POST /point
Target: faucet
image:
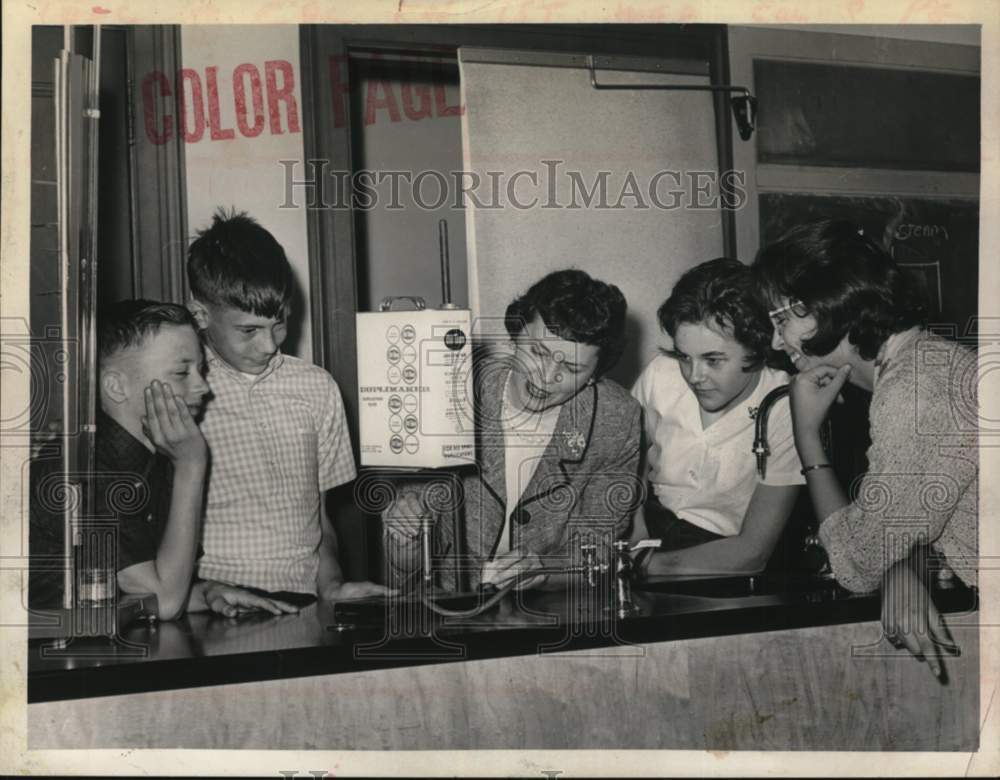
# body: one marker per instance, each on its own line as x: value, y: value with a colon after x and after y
x: 589, y: 566
x: 760, y: 415
x: 625, y: 568
x: 623, y: 574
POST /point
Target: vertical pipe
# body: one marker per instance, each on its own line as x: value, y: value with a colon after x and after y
x: 458, y: 546
x: 425, y: 552
x: 445, y: 263
x: 88, y: 273
x: 62, y: 199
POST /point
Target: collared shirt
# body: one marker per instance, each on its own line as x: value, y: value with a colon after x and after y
x: 707, y: 476
x: 135, y: 485
x: 132, y: 492
x: 277, y: 440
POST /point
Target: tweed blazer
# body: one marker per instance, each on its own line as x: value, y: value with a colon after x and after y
x: 586, y: 484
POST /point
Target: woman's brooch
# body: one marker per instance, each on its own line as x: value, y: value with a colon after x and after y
x: 576, y: 442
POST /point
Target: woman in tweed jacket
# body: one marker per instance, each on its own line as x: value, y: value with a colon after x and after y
x: 845, y: 312
x: 557, y: 444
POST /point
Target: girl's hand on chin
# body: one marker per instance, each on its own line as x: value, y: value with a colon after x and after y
x: 813, y: 392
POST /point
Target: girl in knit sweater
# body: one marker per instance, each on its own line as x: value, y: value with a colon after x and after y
x: 843, y: 311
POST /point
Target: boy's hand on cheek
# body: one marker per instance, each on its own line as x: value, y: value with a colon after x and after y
x: 170, y: 427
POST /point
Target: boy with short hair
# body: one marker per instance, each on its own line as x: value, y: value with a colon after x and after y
x: 713, y: 512
x: 276, y: 424
x: 151, y: 459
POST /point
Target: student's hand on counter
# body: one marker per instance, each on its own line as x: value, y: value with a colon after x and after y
x: 404, y: 518
x: 502, y: 569
x: 910, y: 619
x: 812, y: 393
x: 345, y: 591
x: 231, y: 601
x: 170, y: 427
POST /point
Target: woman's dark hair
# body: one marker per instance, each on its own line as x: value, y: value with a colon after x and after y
x: 575, y: 307
x: 722, y: 291
x: 847, y: 281
x: 236, y: 262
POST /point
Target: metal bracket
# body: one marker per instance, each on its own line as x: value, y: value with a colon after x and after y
x: 744, y: 104
x: 389, y: 300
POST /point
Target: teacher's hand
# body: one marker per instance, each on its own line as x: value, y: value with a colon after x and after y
x: 812, y: 393
x: 346, y: 591
x: 404, y: 518
x: 506, y: 567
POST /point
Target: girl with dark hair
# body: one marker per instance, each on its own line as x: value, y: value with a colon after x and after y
x: 843, y: 311
x: 712, y: 511
x: 558, y: 442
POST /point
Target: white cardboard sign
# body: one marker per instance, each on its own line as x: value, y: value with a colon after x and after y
x: 415, y: 388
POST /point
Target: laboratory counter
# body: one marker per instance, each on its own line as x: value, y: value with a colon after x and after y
x: 728, y: 662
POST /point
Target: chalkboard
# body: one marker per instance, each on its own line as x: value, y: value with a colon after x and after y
x: 936, y: 240
x: 866, y: 117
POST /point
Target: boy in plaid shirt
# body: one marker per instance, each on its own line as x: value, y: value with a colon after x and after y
x: 275, y: 425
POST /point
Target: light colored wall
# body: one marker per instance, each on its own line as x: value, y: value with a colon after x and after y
x: 402, y: 255
x: 519, y: 115
x: 243, y: 172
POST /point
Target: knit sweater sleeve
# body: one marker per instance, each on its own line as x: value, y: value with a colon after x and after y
x: 920, y: 468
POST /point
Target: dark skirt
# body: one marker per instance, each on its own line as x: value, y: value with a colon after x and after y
x: 675, y: 532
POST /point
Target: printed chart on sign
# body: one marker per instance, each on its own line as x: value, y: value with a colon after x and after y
x: 414, y: 388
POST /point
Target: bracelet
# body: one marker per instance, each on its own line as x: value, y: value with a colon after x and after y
x: 815, y: 466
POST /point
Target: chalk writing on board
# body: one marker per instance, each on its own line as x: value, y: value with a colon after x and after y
x: 935, y: 239
x: 906, y: 231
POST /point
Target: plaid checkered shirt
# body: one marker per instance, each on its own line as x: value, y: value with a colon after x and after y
x: 278, y: 440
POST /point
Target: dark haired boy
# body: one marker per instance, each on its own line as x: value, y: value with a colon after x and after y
x: 150, y: 461
x: 276, y: 424
x: 713, y: 512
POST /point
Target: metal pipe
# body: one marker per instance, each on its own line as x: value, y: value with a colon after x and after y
x: 743, y: 104
x: 760, y: 448
x: 624, y: 570
x: 445, y: 263
x: 681, y: 87
x: 457, y: 511
x: 425, y: 550
x: 88, y: 276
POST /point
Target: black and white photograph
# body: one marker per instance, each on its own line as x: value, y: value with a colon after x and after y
x: 499, y: 389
